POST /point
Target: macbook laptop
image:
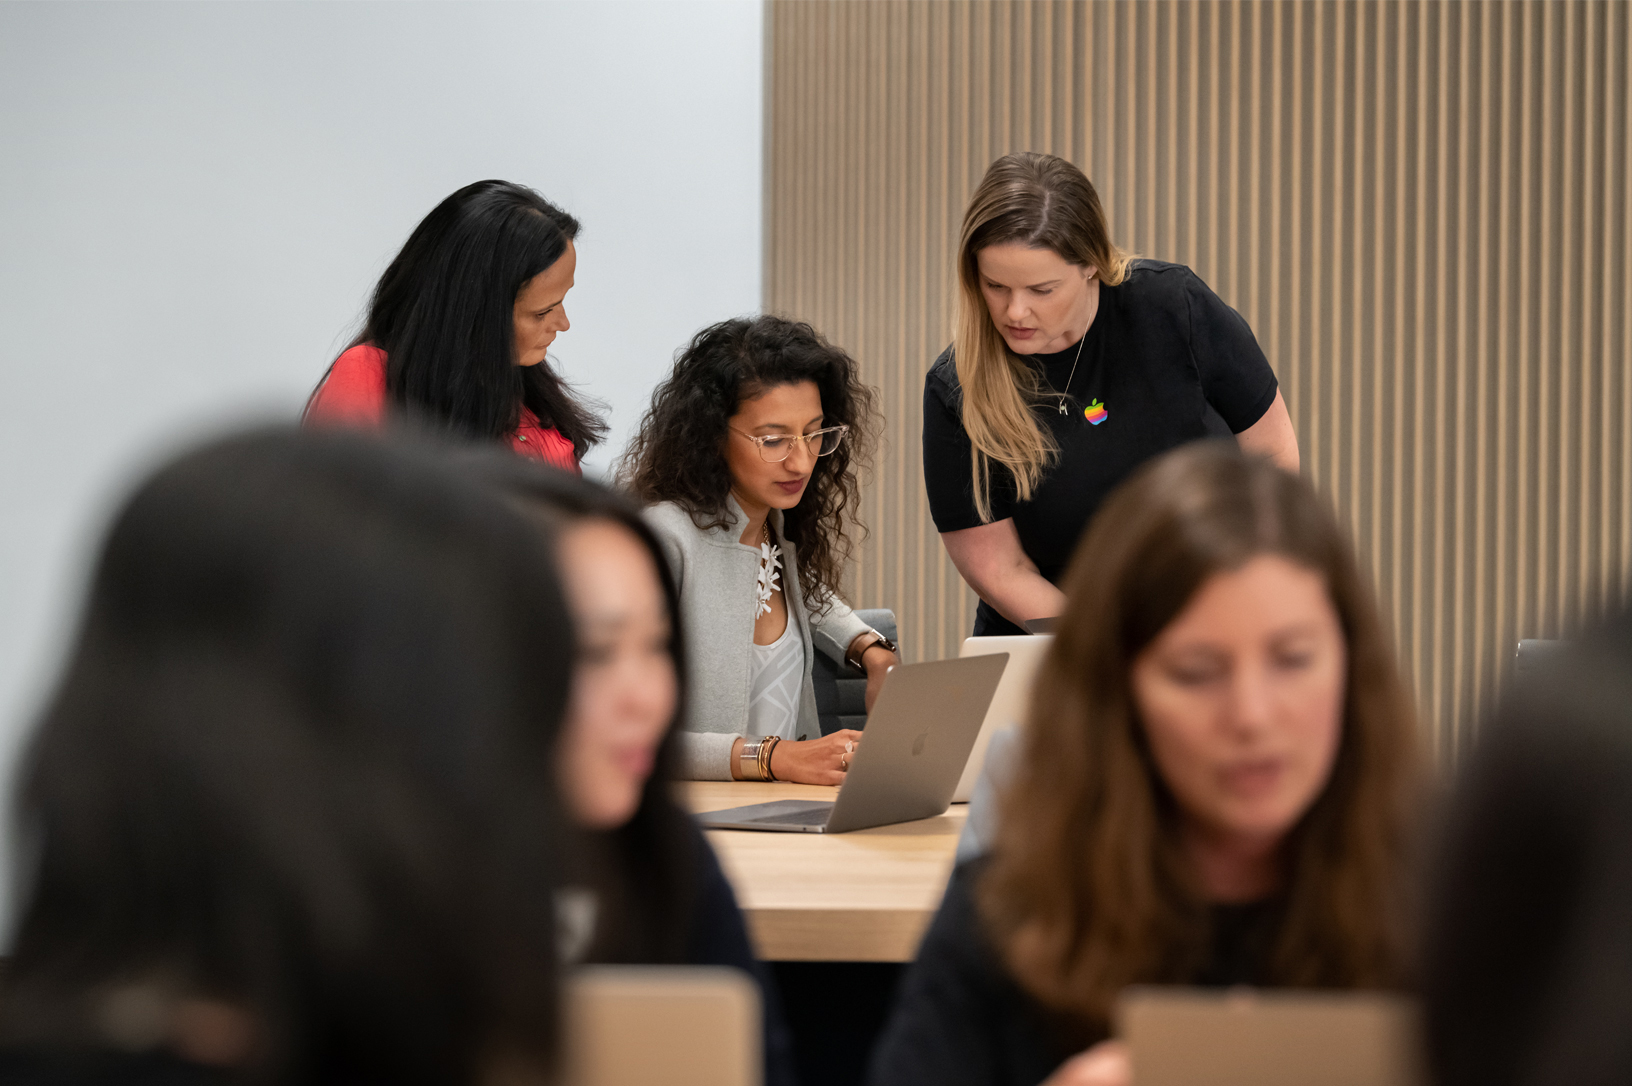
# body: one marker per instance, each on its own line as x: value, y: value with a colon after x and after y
x: 1009, y: 704
x: 1248, y: 1037
x: 640, y: 1025
x: 917, y: 742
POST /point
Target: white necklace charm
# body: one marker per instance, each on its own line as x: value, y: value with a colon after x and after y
x: 770, y: 563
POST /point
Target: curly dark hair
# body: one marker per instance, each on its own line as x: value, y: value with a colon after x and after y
x: 677, y: 454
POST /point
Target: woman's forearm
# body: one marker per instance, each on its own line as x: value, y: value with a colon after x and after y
x: 706, y: 756
x: 994, y: 564
x: 1020, y: 595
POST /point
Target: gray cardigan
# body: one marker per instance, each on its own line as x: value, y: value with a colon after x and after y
x: 717, y: 575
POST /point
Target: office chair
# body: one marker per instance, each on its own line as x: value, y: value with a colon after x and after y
x: 841, y: 691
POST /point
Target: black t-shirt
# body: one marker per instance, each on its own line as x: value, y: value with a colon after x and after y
x: 1164, y: 362
x: 48, y: 1067
x: 960, y: 1019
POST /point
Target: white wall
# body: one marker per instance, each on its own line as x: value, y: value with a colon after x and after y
x: 196, y: 198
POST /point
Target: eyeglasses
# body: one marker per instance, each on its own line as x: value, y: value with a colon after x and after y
x: 775, y: 448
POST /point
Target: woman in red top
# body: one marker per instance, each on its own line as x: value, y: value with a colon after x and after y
x: 459, y: 325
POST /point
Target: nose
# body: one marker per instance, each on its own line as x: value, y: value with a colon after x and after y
x: 803, y: 457
x: 1017, y: 310
x: 1249, y: 699
x: 648, y: 692
x: 561, y: 321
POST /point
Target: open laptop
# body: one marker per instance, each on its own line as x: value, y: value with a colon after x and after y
x: 1249, y: 1037
x: 1009, y: 704
x: 917, y: 742
x: 641, y: 1025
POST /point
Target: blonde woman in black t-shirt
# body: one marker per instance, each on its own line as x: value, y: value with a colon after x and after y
x: 1073, y: 364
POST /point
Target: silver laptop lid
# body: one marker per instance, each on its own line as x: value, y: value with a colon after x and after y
x: 1247, y: 1037
x: 917, y: 741
x: 1012, y: 699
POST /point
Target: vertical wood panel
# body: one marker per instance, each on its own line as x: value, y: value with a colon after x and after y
x: 1422, y: 209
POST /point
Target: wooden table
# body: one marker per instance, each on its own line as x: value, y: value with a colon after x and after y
x: 863, y: 896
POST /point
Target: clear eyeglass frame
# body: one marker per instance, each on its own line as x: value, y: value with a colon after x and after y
x: 775, y: 448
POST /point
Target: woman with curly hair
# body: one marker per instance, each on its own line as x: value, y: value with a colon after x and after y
x: 747, y: 459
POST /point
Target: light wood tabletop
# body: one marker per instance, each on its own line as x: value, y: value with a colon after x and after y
x: 863, y: 896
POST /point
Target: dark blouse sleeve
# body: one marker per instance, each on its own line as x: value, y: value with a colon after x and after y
x: 948, y: 468
x: 958, y: 1020
x: 1235, y: 375
x: 719, y: 937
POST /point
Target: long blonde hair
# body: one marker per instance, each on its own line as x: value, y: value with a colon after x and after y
x: 1088, y: 891
x: 1042, y: 202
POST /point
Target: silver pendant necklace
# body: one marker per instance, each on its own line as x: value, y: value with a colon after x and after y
x: 1074, y: 361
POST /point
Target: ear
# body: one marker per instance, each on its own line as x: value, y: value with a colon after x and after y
x: 1088, y: 273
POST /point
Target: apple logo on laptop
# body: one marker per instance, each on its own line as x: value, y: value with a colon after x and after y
x: 918, y: 743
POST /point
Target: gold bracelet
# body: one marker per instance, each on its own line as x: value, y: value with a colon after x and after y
x: 748, y: 760
x: 766, y: 746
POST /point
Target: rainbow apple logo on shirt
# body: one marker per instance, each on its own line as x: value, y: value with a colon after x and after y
x: 1095, y: 412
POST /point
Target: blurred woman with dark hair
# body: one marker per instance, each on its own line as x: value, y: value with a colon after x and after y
x: 748, y: 459
x: 1527, y: 952
x: 1216, y: 786
x: 652, y: 891
x: 290, y: 817
x: 459, y: 328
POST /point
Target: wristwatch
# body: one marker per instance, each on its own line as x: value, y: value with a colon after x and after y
x: 859, y: 647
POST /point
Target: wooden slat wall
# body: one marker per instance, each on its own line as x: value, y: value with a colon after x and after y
x: 1421, y: 208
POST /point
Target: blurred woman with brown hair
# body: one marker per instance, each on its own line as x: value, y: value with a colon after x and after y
x: 1216, y: 787
x: 1073, y: 364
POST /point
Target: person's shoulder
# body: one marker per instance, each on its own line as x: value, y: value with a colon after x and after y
x: 362, y: 363
x: 942, y: 379
x: 1158, y: 281
x: 671, y: 520
x: 714, y: 888
x: 959, y: 910
x: 1157, y: 294
x: 354, y: 390
x: 361, y: 355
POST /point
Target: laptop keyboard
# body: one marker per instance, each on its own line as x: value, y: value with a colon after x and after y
x: 812, y: 816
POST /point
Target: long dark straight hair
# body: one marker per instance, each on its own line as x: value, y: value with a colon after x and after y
x: 443, y: 313
x: 646, y: 871
x: 301, y: 762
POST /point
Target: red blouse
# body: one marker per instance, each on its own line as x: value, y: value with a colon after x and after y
x: 354, y: 395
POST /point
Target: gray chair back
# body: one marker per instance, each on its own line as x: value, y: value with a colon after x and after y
x: 841, y: 690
